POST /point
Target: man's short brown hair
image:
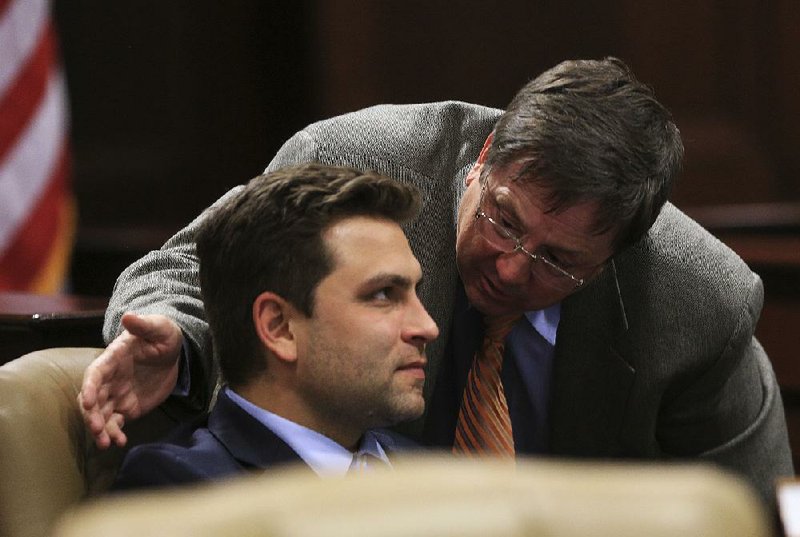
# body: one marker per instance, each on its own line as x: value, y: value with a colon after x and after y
x: 268, y: 237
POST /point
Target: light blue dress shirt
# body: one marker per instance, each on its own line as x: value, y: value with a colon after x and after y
x: 323, y: 455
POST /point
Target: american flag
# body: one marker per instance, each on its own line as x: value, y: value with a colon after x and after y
x: 37, y: 212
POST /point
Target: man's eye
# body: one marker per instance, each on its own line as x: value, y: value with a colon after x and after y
x: 508, y: 225
x: 550, y: 256
x: 502, y: 217
x: 508, y: 228
x: 506, y: 221
x: 382, y: 294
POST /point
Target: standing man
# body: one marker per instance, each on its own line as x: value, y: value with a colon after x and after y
x: 310, y: 289
x: 634, y: 331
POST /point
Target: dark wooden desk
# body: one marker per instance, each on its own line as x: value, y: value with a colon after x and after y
x: 32, y: 322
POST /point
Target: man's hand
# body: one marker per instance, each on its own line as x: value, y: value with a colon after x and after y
x: 135, y: 373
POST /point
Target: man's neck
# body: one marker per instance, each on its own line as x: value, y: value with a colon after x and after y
x: 288, y: 405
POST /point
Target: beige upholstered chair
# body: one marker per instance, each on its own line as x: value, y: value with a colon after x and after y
x: 47, y: 461
x: 442, y: 497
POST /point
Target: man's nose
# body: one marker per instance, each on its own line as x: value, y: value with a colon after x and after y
x: 514, y: 268
x: 421, y: 328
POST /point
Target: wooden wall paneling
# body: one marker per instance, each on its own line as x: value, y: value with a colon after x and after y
x: 778, y: 84
x: 172, y: 104
x: 419, y: 51
x: 701, y: 57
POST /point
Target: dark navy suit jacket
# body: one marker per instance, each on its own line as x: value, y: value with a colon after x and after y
x: 225, y: 442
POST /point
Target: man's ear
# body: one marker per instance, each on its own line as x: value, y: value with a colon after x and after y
x: 475, y: 172
x: 272, y: 316
x: 485, y: 150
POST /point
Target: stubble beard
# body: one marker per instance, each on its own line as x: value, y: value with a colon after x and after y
x: 383, y: 406
x: 362, y: 402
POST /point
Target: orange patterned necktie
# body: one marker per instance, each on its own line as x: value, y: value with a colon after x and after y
x: 484, y: 425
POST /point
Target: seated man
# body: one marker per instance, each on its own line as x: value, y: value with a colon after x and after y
x: 309, y: 285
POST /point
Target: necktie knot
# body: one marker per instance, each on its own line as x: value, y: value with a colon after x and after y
x: 497, y: 328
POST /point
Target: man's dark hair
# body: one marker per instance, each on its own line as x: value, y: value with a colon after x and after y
x: 268, y: 237
x: 588, y: 130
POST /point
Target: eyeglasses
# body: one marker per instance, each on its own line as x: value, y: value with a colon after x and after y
x: 545, y: 270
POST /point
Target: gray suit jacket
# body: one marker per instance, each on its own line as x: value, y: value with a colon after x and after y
x: 655, y: 359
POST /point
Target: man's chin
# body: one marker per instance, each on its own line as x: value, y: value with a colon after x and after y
x: 483, y: 303
x: 408, y: 410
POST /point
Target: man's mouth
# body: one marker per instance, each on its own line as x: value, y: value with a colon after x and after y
x: 415, y: 368
x: 490, y: 288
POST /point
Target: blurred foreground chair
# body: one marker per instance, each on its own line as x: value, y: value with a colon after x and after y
x: 436, y: 496
x: 47, y: 460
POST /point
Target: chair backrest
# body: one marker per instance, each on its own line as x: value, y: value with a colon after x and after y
x: 424, y: 497
x: 48, y: 461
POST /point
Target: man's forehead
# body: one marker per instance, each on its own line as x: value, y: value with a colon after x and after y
x: 371, y: 245
x: 359, y: 229
x: 527, y: 196
x: 523, y: 175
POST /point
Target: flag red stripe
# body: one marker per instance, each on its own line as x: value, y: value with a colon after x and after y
x: 30, y: 248
x: 22, y: 100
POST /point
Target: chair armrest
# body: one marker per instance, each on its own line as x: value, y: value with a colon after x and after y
x: 48, y: 460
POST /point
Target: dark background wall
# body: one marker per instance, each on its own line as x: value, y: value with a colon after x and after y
x: 174, y: 102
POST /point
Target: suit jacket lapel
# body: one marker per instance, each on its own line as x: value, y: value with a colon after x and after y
x: 247, y: 439
x: 469, y: 324
x: 591, y: 380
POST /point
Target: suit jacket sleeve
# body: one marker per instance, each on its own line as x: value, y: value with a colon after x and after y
x: 733, y: 414
x: 156, y: 465
x: 714, y: 394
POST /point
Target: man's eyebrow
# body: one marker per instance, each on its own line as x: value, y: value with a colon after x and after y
x: 389, y: 279
x: 574, y: 255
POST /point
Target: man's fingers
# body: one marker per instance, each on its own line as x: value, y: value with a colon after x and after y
x: 104, y: 411
x: 103, y: 398
x: 107, y: 430
x: 123, y: 403
x: 93, y: 377
x: 97, y: 424
x: 114, y: 430
x: 151, y: 335
x: 151, y: 328
x: 105, y: 425
x: 92, y: 416
x: 87, y: 414
x: 87, y: 397
x: 94, y: 421
x: 100, y: 373
x: 138, y: 325
x: 102, y: 440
